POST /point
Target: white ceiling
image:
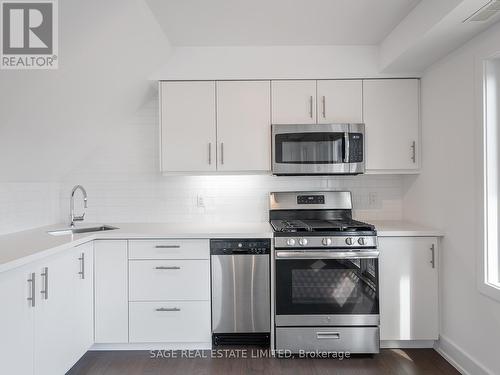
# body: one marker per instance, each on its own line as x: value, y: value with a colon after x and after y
x: 278, y: 22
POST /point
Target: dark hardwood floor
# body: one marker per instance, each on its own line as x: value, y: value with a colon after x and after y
x: 388, y: 362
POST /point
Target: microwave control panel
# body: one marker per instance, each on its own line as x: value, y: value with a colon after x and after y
x: 356, y: 147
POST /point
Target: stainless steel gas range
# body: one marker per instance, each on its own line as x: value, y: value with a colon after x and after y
x: 325, y: 274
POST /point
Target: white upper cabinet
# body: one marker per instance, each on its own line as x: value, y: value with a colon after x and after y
x: 188, y: 132
x: 244, y: 125
x: 408, y: 288
x: 340, y: 101
x: 391, y: 116
x: 293, y: 102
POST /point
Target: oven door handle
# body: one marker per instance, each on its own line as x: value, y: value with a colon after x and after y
x: 280, y: 254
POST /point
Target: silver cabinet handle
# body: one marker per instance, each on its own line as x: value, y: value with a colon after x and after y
x: 324, y: 106
x: 167, y: 246
x: 311, y: 106
x: 433, y: 256
x: 31, y: 282
x: 222, y: 152
x: 45, y: 290
x: 167, y: 268
x: 82, y: 266
x: 209, y: 153
x: 413, y: 152
x: 168, y: 309
x: 328, y: 335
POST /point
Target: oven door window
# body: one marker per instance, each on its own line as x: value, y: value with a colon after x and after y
x: 326, y: 286
x: 310, y: 148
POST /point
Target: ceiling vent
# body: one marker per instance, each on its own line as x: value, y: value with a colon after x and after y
x: 485, y: 12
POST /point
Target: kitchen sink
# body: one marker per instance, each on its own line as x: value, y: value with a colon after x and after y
x: 64, y: 231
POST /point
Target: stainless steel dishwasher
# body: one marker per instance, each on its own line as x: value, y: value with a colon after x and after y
x: 241, y: 304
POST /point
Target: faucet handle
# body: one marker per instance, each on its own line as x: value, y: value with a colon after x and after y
x: 79, y: 218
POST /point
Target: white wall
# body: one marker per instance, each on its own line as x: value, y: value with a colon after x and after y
x: 51, y: 122
x: 273, y: 62
x: 444, y: 196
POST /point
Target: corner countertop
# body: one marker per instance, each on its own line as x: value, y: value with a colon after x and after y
x: 388, y: 228
x: 18, y: 249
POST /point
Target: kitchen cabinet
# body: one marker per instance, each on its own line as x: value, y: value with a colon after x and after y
x: 64, y: 315
x: 169, y: 291
x: 50, y: 332
x: 244, y: 126
x: 293, y: 102
x: 188, y: 132
x: 16, y: 320
x: 340, y: 101
x: 111, y: 294
x: 391, y: 116
x: 408, y: 269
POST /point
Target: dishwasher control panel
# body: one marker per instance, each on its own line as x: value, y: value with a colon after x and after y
x: 232, y: 246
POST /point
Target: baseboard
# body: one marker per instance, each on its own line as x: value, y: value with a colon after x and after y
x: 406, y: 344
x: 459, y: 359
x: 154, y: 346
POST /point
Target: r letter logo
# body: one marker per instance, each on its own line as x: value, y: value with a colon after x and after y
x: 29, y: 34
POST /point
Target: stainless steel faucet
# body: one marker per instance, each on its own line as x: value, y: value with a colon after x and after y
x: 72, y: 216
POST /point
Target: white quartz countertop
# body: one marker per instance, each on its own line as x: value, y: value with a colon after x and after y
x: 24, y: 247
x: 21, y: 248
x: 404, y: 229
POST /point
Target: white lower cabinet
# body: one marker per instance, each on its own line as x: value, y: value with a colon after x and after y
x: 111, y: 294
x: 47, y: 334
x: 159, y: 280
x: 408, y: 270
x: 64, y: 317
x: 16, y: 321
x: 169, y: 297
x: 170, y: 321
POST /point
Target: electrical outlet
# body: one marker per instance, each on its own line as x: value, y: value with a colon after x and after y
x: 372, y: 199
x: 200, y: 201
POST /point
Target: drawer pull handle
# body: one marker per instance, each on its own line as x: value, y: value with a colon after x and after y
x: 168, y: 309
x: 167, y: 246
x: 328, y: 335
x: 168, y: 268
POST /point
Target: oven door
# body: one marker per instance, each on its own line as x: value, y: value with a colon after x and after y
x: 318, y: 287
x: 315, y: 149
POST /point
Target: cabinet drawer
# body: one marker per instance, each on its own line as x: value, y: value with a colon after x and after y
x: 169, y: 249
x: 159, y: 280
x: 173, y: 321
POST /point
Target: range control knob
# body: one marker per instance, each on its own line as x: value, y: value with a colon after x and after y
x: 303, y: 242
x: 361, y: 241
x: 326, y: 241
x: 349, y: 241
x: 290, y: 242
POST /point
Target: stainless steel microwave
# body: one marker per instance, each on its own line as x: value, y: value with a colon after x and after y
x: 318, y: 149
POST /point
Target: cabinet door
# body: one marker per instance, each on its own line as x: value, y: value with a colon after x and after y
x: 293, y: 102
x: 83, y: 311
x: 111, y: 296
x: 244, y: 125
x: 188, y: 126
x: 340, y: 101
x: 408, y: 288
x: 55, y: 317
x: 16, y: 322
x: 391, y: 115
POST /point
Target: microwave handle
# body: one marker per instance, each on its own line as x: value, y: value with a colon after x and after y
x: 346, y: 147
